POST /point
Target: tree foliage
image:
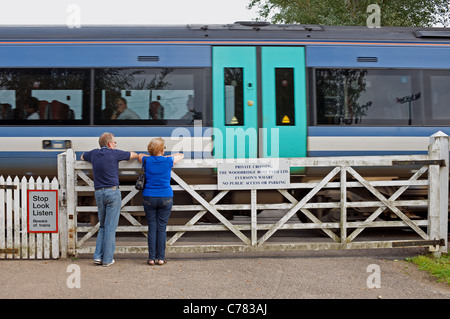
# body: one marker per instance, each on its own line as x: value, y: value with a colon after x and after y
x: 401, y: 13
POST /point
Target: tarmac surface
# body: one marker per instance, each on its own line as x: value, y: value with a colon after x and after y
x: 356, y: 274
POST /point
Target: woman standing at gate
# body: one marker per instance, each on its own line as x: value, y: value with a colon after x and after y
x: 157, y: 197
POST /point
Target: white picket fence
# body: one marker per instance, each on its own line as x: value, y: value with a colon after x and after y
x: 15, y: 241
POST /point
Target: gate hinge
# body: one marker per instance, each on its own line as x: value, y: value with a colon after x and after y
x: 8, y: 186
x: 62, y: 197
x: 433, y: 242
x: 9, y: 251
x: 419, y: 162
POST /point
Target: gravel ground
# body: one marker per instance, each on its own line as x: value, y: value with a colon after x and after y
x: 293, y: 275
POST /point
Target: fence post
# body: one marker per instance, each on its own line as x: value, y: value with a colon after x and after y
x: 438, y: 190
x: 24, y: 217
x: 17, y: 213
x: 343, y: 206
x: 71, y: 205
x: 55, y: 237
x: 254, y: 216
x: 62, y: 218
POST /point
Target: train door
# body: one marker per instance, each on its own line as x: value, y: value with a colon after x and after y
x: 235, y: 116
x: 259, y: 102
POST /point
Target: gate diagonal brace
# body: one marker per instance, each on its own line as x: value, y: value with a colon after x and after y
x: 299, y: 205
x: 197, y: 217
x: 387, y: 202
x: 394, y: 196
x: 309, y: 215
x: 127, y: 216
x: 88, y: 235
x: 210, y: 208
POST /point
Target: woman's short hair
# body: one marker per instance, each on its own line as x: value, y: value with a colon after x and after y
x: 156, y: 146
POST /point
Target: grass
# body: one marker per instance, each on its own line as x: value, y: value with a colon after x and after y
x: 437, y: 267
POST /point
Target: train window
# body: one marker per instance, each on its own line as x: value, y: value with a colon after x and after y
x: 367, y: 96
x: 158, y: 96
x: 284, y: 87
x: 437, y: 83
x: 46, y: 96
x: 234, y: 96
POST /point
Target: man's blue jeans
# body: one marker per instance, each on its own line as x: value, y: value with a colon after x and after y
x: 157, y: 210
x: 108, y: 204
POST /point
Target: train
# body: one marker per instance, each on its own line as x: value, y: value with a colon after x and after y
x: 297, y: 90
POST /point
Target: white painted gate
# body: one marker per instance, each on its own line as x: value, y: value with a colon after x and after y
x: 256, y: 236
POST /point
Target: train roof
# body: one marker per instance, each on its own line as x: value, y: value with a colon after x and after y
x: 237, y: 30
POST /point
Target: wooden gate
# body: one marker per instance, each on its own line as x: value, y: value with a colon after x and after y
x: 252, y: 235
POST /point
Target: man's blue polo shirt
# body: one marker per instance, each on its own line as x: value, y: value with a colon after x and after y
x: 105, y: 163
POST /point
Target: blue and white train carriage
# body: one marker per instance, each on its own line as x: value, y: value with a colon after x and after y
x: 328, y: 90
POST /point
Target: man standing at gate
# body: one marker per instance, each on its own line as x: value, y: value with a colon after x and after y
x: 105, y: 164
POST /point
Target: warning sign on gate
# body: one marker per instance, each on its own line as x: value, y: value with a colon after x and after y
x: 42, y: 211
x: 263, y: 174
